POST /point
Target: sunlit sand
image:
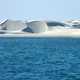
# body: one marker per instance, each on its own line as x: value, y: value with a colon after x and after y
x: 53, y: 33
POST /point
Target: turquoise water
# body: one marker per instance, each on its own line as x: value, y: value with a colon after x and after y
x: 39, y: 58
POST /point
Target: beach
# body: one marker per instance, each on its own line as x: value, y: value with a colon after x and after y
x: 53, y: 33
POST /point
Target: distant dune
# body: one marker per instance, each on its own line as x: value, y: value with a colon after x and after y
x: 11, y: 28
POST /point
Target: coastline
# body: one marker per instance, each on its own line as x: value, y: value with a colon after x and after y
x: 53, y: 33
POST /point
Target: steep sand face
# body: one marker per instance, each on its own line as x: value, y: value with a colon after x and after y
x: 11, y: 25
x: 38, y: 26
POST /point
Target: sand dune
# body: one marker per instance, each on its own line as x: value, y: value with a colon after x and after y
x: 11, y: 28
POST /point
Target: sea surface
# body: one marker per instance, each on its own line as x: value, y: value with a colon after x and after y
x: 40, y: 58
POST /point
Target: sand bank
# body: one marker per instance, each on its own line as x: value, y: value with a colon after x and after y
x: 53, y: 33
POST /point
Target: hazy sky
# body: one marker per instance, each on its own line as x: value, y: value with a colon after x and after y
x: 40, y: 9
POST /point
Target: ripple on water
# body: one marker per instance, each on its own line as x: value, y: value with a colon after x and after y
x: 39, y: 59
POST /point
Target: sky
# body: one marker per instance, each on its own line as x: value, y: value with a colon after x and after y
x: 39, y: 9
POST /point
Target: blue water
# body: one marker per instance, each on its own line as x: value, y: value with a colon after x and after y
x: 39, y: 58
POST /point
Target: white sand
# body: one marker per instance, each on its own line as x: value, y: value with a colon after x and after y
x: 53, y: 33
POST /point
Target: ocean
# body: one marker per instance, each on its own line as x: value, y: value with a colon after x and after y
x: 39, y: 58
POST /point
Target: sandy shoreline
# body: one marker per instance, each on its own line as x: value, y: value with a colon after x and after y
x: 53, y: 33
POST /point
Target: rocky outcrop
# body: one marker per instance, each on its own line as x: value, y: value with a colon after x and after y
x: 55, y: 24
x: 73, y: 23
